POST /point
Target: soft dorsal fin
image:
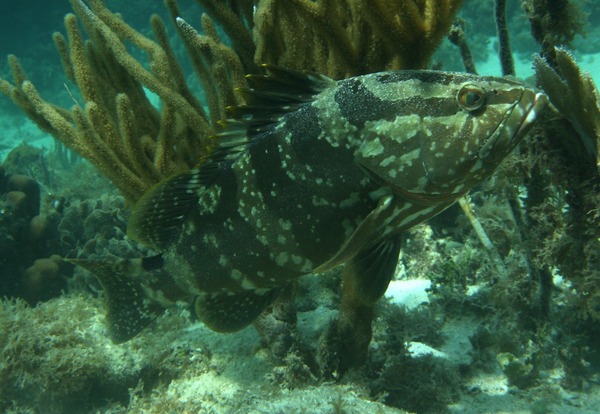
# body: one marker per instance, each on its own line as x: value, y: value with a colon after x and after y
x: 158, y: 216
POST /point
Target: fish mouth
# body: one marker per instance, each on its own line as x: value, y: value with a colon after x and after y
x: 516, y: 123
x: 540, y: 102
x: 427, y: 199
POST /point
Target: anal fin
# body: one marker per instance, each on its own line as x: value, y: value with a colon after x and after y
x: 230, y: 312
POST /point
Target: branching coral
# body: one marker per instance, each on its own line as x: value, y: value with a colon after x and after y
x: 575, y: 167
x: 236, y: 18
x: 135, y: 144
x: 553, y: 22
x: 117, y: 128
x: 575, y: 95
x: 351, y: 37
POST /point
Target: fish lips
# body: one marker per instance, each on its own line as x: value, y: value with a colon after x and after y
x: 517, y: 122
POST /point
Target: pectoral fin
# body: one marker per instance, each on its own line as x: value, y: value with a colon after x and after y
x: 366, y: 231
x: 370, y: 271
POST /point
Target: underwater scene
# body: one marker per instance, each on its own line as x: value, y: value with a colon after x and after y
x: 300, y: 206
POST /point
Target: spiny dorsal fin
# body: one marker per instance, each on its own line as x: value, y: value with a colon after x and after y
x: 273, y: 95
x: 280, y: 86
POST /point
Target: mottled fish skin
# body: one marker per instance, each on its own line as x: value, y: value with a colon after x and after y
x: 356, y: 163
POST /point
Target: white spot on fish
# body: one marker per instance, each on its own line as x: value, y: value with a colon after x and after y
x: 285, y: 224
x: 247, y: 284
x: 371, y: 148
x: 282, y: 258
x: 350, y: 201
x: 389, y: 160
x: 237, y: 275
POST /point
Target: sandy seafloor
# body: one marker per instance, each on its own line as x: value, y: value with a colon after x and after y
x: 233, y: 373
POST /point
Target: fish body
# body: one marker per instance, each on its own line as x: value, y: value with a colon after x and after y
x: 310, y: 174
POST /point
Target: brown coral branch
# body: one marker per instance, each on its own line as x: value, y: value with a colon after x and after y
x: 554, y: 23
x: 111, y: 29
x: 235, y: 18
x: 506, y: 58
x: 117, y: 127
x: 457, y: 37
x: 353, y: 37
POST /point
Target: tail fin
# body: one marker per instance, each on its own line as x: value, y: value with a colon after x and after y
x: 129, y: 309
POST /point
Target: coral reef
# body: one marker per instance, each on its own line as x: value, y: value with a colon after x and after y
x: 554, y: 22
x: 27, y: 235
x: 57, y: 356
x: 39, y: 226
x: 44, y: 279
x: 36, y: 370
x: 27, y: 160
x: 568, y: 160
x: 423, y: 384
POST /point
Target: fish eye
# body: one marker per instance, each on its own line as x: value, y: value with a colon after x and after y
x: 471, y: 97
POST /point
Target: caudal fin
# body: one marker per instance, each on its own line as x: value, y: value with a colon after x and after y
x: 129, y: 310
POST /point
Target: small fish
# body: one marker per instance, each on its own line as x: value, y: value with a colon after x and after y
x: 309, y: 174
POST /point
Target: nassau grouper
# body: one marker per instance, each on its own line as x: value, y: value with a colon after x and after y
x: 309, y: 174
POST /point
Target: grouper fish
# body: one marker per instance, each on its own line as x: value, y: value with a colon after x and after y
x: 309, y: 174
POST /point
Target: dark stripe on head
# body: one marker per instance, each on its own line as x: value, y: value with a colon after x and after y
x: 358, y: 105
x: 428, y: 76
x: 309, y: 150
